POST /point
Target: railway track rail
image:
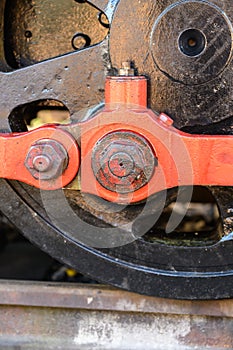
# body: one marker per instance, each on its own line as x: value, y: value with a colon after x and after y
x: 105, y: 318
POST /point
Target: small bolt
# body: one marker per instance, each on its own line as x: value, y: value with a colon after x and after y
x: 46, y: 159
x: 165, y: 119
x: 126, y: 69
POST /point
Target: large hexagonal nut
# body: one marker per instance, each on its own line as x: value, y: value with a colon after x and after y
x: 124, y: 158
x: 123, y: 161
x: 46, y: 160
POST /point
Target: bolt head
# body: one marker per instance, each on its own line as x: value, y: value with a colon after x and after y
x: 165, y: 119
x: 126, y: 69
x: 123, y: 161
x: 46, y: 159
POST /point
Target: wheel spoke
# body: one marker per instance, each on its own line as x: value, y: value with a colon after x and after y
x: 75, y: 79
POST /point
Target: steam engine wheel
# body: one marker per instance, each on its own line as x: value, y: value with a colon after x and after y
x: 55, y: 56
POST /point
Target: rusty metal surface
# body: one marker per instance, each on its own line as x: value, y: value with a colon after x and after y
x: 104, y: 298
x: 123, y: 161
x: 67, y: 316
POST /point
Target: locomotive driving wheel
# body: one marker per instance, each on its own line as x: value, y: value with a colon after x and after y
x: 52, y: 57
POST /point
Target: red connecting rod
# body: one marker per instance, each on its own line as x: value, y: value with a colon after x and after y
x: 47, y: 158
x: 127, y: 151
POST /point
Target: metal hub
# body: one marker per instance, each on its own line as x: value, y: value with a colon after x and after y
x: 186, y: 49
x: 196, y: 46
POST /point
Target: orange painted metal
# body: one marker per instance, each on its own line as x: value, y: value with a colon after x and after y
x: 130, y: 90
x: 183, y: 159
x: 13, y: 152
